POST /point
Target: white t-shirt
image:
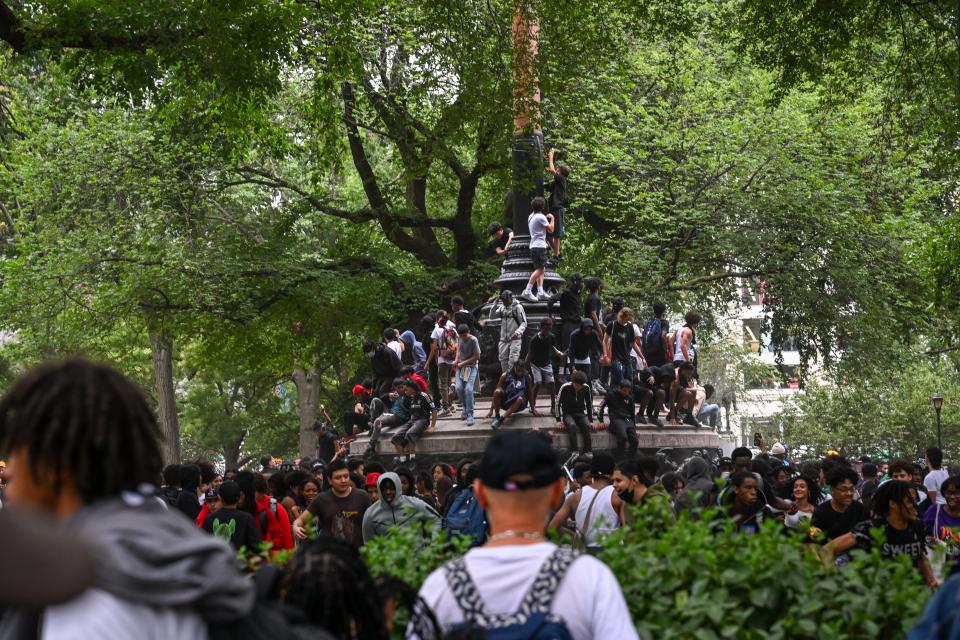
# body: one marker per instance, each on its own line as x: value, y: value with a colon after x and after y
x: 98, y: 615
x: 537, y: 223
x: 437, y: 337
x: 397, y: 347
x: 589, y: 598
x: 932, y: 482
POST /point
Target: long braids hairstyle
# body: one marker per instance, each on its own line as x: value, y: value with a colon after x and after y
x: 85, y: 422
x: 896, y: 491
x: 330, y: 584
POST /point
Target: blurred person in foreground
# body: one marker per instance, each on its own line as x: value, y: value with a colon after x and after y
x: 489, y: 588
x: 84, y: 447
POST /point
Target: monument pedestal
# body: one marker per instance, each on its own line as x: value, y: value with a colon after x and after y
x: 453, y: 440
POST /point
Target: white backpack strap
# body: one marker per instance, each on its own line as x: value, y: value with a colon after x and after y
x: 547, y: 582
x: 465, y: 593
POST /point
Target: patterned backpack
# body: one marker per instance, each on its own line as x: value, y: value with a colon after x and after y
x: 533, y: 621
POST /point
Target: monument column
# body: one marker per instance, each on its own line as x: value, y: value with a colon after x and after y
x: 528, y: 168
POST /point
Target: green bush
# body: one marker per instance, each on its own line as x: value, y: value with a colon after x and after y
x: 700, y: 579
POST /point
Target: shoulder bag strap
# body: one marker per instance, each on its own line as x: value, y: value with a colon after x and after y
x: 465, y: 592
x: 586, y: 521
x: 547, y: 582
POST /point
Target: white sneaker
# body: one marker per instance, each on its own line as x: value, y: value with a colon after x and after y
x: 598, y: 388
x: 544, y: 296
x: 528, y: 296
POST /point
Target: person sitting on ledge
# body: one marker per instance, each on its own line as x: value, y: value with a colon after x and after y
x: 513, y: 393
x: 422, y: 413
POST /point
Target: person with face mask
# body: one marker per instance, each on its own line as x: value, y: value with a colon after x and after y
x: 635, y: 483
x: 395, y: 509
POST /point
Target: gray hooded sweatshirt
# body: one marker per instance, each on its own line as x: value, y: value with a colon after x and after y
x: 513, y: 319
x: 403, y: 511
x: 149, y: 555
x: 699, y: 486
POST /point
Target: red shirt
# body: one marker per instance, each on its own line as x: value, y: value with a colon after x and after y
x: 278, y: 529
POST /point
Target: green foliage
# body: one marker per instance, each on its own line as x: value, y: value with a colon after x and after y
x: 884, y: 411
x: 701, y: 579
x: 410, y: 554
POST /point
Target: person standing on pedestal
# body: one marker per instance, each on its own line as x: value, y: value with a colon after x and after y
x: 569, y: 300
x: 539, y: 225
x: 513, y: 322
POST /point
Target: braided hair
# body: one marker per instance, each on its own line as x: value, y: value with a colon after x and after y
x: 83, y: 421
x: 896, y: 491
x: 330, y: 584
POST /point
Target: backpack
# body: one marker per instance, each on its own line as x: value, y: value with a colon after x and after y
x: 262, y: 517
x: 466, y: 517
x: 464, y: 317
x: 448, y: 343
x: 652, y: 336
x: 533, y: 621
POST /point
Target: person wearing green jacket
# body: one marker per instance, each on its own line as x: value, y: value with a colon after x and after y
x: 395, y: 509
x: 635, y: 483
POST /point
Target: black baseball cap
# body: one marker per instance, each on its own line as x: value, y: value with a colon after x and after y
x: 519, y: 453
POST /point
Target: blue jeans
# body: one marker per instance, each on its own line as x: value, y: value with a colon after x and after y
x: 466, y: 380
x: 709, y: 414
x: 620, y: 370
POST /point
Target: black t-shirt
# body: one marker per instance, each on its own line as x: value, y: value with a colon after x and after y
x: 582, y: 344
x: 621, y: 339
x: 236, y: 526
x: 569, y: 301
x: 341, y: 517
x: 593, y: 305
x: 327, y: 437
x: 911, y: 541
x: 835, y: 524
x: 558, y: 192
x: 541, y: 349
x: 501, y: 242
x: 189, y: 504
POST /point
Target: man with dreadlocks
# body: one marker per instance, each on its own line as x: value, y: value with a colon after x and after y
x: 895, y: 511
x: 84, y: 447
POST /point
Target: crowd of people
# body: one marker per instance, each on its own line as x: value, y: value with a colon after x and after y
x: 153, y: 549
x: 644, y: 376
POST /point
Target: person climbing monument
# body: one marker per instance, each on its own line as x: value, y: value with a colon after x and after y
x: 558, y: 203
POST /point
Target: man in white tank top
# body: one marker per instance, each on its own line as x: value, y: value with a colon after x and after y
x: 594, y: 508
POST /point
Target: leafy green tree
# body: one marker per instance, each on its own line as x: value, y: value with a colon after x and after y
x: 884, y: 411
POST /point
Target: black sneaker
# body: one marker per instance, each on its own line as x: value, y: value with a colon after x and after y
x: 688, y: 419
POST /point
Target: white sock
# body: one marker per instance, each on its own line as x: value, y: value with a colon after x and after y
x: 402, y: 458
x: 411, y: 457
x: 528, y: 289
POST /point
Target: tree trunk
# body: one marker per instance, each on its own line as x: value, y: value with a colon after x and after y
x: 231, y: 453
x: 162, y: 347
x: 308, y: 397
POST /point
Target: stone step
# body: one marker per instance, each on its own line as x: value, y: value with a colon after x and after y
x: 451, y: 438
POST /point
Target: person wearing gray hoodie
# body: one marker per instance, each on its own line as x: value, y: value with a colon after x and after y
x: 513, y: 323
x: 698, y: 489
x: 395, y: 509
x: 85, y: 448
